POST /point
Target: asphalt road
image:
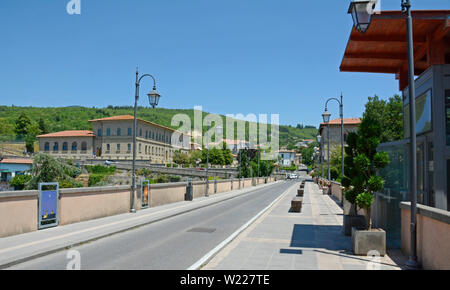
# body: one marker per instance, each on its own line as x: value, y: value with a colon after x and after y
x: 173, y: 244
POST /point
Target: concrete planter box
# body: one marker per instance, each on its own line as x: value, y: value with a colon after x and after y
x: 351, y: 221
x: 296, y: 204
x: 325, y: 190
x: 364, y: 241
x: 300, y: 192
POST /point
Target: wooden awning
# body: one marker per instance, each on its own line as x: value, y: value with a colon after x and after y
x: 383, y: 48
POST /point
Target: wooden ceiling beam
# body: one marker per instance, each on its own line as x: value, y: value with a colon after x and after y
x: 369, y: 69
x: 385, y: 38
x: 377, y: 55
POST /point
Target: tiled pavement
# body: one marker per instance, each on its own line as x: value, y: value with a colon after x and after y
x: 310, y: 240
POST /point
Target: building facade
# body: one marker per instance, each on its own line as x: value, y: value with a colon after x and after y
x: 350, y: 125
x: 112, y: 139
x: 287, y: 157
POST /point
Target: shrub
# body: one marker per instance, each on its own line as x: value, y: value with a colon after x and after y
x: 95, y: 178
x: 19, y: 181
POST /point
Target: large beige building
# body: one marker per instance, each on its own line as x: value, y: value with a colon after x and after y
x: 112, y: 139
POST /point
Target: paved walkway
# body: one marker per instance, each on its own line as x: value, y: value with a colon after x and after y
x: 310, y: 240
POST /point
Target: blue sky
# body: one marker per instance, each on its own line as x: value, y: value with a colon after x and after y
x: 229, y: 56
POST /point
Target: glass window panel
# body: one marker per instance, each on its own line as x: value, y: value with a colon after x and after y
x: 447, y: 115
x: 423, y: 115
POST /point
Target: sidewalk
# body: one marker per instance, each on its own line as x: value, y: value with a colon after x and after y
x: 20, y: 248
x: 310, y: 240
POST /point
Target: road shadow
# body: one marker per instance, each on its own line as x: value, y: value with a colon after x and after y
x: 328, y: 237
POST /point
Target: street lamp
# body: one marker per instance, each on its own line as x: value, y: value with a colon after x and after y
x: 361, y: 11
x: 412, y: 263
x: 153, y: 98
x: 326, y: 118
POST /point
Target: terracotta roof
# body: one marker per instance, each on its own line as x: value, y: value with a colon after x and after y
x: 347, y: 121
x: 383, y: 49
x: 129, y: 117
x: 77, y: 133
x: 114, y: 118
x: 17, y: 161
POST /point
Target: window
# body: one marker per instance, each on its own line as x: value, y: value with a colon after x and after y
x: 146, y: 134
x: 108, y: 147
x: 448, y: 182
x: 108, y: 132
x: 118, y: 147
x: 129, y: 147
x: 74, y: 146
x: 47, y: 146
x: 65, y: 146
x: 99, y: 132
x: 55, y: 146
x: 447, y: 115
x: 83, y: 146
x: 140, y: 148
x: 140, y: 132
x: 423, y: 115
x: 118, y: 131
x: 130, y: 131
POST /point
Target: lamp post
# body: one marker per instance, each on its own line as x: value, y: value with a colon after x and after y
x: 218, y: 131
x: 153, y: 98
x: 341, y: 114
x: 207, y: 161
x: 326, y: 118
x: 319, y: 139
x: 362, y: 17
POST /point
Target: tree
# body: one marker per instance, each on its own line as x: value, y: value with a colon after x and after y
x: 48, y: 169
x: 22, y: 125
x: 42, y: 126
x: 227, y: 155
x: 307, y: 155
x: 362, y: 162
x: 180, y: 158
x: 30, y: 137
x: 389, y: 115
x: 244, y: 164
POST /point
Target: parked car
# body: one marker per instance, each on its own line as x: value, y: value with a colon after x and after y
x: 109, y: 162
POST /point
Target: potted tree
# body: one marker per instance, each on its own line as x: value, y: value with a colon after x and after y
x: 362, y: 182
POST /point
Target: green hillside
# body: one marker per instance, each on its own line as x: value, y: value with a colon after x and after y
x: 76, y: 118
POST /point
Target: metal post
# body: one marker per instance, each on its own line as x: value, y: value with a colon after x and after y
x: 341, y: 107
x: 133, y: 182
x: 328, y: 150
x: 412, y: 262
x: 207, y: 162
x: 258, y: 166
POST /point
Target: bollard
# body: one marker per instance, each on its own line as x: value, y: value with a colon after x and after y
x: 215, y: 185
x: 189, y: 191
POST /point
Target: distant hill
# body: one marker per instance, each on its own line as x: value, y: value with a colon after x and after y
x: 77, y: 117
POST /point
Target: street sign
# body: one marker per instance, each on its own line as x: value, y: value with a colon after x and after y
x: 48, y: 205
